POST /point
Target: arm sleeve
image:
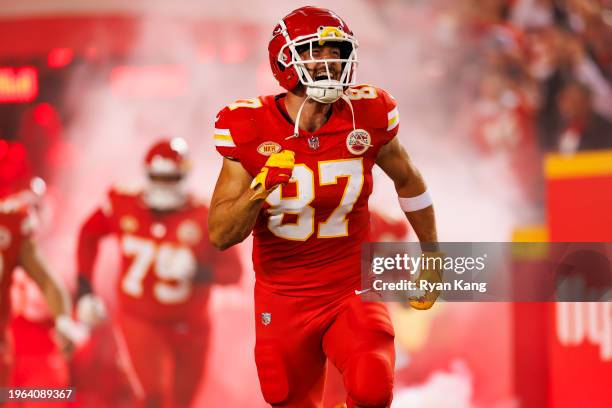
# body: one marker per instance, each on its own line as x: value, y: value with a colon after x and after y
x: 93, y: 230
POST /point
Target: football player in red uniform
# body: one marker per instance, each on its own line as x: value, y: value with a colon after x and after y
x: 18, y: 193
x: 167, y: 268
x: 297, y: 172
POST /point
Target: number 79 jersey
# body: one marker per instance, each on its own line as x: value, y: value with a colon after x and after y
x: 308, y: 236
x: 167, y: 262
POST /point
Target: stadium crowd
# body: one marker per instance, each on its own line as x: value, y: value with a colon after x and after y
x: 517, y: 78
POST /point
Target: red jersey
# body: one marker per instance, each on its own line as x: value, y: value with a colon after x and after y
x: 308, y: 236
x: 167, y: 261
x: 15, y: 226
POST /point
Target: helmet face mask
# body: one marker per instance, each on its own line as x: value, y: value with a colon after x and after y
x: 296, y: 33
x: 167, y: 166
x: 164, y: 195
x: 329, y: 89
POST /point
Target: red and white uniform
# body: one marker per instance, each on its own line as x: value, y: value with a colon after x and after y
x: 307, y: 247
x: 166, y: 257
x: 167, y: 267
x: 15, y: 226
x: 323, y: 226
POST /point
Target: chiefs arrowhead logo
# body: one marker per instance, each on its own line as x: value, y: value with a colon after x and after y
x: 129, y: 224
x: 268, y: 148
x: 358, y: 141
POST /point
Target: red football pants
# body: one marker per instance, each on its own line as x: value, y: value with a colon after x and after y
x: 164, y: 362
x: 296, y: 336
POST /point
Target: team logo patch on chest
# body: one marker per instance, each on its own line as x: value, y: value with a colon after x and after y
x: 358, y: 141
x: 158, y: 230
x: 189, y: 232
x: 5, y: 238
x: 127, y: 223
x: 268, y: 148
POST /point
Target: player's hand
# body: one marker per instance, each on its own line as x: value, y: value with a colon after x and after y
x: 69, y: 333
x: 90, y: 310
x: 432, y: 272
x: 276, y: 171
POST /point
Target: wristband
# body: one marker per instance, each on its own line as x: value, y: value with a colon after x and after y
x: 410, y: 204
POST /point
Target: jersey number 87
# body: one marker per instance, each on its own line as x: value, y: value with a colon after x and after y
x: 336, y: 224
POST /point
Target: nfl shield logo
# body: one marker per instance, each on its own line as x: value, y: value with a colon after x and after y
x: 266, y: 318
x: 313, y: 142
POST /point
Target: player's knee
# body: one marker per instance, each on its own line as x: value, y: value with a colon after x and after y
x: 272, y: 373
x: 369, y: 380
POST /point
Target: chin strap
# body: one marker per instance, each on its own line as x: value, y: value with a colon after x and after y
x: 350, y: 104
x: 296, y: 127
x: 346, y: 99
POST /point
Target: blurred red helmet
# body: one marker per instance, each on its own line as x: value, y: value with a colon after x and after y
x: 167, y: 165
x: 301, y: 29
x: 168, y: 157
x: 15, y: 169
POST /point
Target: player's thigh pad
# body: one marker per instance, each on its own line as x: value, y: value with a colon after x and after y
x: 272, y: 371
x: 360, y: 344
x: 288, y: 353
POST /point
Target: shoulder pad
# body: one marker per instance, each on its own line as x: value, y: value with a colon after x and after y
x: 377, y: 105
x: 124, y: 190
x: 234, y: 125
x: 117, y: 194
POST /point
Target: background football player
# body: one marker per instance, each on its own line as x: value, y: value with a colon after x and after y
x: 164, y: 284
x: 297, y: 171
x: 19, y: 193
